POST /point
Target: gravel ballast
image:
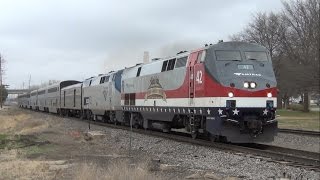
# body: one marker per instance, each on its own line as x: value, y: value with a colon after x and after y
x: 191, y: 159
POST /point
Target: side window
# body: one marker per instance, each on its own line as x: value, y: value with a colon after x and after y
x: 102, y: 80
x: 171, y: 64
x: 199, y: 56
x: 181, y: 62
x: 106, y: 79
x: 203, y: 56
x: 138, y: 72
x: 164, y: 66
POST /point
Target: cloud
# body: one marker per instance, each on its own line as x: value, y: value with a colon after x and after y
x: 58, y: 39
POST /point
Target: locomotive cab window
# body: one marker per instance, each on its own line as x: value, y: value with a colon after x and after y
x: 106, y: 79
x: 256, y: 55
x: 181, y: 62
x: 201, y: 56
x: 228, y: 55
x: 171, y: 64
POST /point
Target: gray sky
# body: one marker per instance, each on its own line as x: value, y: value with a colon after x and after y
x: 77, y: 39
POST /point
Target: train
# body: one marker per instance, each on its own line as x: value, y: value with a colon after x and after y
x: 225, y: 91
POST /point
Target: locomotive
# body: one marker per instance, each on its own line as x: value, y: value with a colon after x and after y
x: 226, y: 91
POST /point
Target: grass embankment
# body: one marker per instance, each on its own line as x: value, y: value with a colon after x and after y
x: 299, y: 120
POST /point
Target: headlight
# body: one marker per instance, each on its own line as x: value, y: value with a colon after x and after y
x: 230, y: 94
x: 253, y: 85
x: 269, y: 95
x: 246, y: 84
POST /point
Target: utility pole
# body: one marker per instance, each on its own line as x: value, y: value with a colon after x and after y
x: 29, y: 81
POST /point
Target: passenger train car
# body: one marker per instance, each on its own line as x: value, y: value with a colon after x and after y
x: 226, y: 91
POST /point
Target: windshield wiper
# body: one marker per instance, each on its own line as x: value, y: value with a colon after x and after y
x: 236, y: 60
x: 252, y: 59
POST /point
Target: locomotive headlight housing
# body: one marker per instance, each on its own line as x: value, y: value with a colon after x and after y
x: 253, y: 85
x: 230, y: 94
x: 246, y: 84
x: 269, y: 95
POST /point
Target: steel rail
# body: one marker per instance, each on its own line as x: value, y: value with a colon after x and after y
x: 292, y: 157
x: 300, y: 132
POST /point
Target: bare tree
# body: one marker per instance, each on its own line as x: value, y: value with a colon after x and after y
x: 301, y: 43
x: 267, y: 29
x: 293, y: 40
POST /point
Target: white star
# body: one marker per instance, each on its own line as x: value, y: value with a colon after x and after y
x: 165, y: 110
x: 161, y: 109
x: 208, y: 111
x: 157, y: 109
x: 174, y: 110
x: 188, y: 110
x: 220, y: 111
x: 235, y: 112
x: 195, y: 111
x: 184, y: 111
x: 200, y: 111
x: 265, y: 112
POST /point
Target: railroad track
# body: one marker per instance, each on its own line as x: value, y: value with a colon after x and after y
x: 292, y: 157
x: 301, y: 132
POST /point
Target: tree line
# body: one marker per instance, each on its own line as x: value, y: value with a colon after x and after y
x: 292, y: 37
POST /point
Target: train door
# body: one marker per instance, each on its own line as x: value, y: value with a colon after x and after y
x: 64, y: 98
x: 192, y: 76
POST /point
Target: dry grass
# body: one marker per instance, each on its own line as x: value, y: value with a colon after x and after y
x: 14, y: 167
x: 116, y: 171
x: 17, y: 122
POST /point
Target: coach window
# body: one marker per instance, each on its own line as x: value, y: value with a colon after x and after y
x: 74, y: 98
x: 138, y: 72
x: 126, y: 99
x: 181, y: 62
x: 102, y: 79
x: 132, y: 99
x: 164, y: 66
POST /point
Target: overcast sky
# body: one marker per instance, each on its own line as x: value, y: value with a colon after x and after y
x: 77, y: 39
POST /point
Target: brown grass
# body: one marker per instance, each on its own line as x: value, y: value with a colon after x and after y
x: 17, y: 122
x: 115, y: 171
x: 14, y: 167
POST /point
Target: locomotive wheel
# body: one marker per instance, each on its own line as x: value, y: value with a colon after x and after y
x: 194, y: 135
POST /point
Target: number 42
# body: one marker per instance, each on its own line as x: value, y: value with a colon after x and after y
x: 199, y: 77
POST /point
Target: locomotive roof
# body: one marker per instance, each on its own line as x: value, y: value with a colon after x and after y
x: 72, y: 86
x: 237, y: 46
